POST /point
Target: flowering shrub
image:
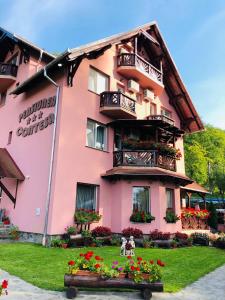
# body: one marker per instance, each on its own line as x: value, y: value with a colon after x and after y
x: 191, y: 212
x: 83, y: 216
x: 138, y: 269
x: 135, y: 232
x: 158, y: 235
x: 141, y: 217
x: 101, y: 231
x: 3, y: 288
x: 181, y: 236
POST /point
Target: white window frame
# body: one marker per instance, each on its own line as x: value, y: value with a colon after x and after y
x: 165, y: 112
x: 96, y: 73
x: 95, y: 146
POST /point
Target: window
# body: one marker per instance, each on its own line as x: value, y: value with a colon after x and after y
x: 141, y: 199
x: 166, y: 113
x: 98, y: 82
x: 170, y: 198
x: 86, y: 196
x: 96, y: 135
x: 2, y: 99
x: 153, y: 109
x: 10, y: 137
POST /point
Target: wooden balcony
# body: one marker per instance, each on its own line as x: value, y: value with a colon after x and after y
x: 8, y: 73
x: 116, y: 105
x: 161, y: 118
x: 134, y: 66
x: 144, y: 158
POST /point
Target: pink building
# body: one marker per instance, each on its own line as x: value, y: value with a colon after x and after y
x: 98, y: 127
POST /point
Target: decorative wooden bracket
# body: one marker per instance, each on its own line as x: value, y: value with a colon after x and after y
x: 7, y: 192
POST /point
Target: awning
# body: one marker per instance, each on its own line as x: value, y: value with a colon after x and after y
x: 194, y: 187
x: 8, y: 167
x: 148, y: 173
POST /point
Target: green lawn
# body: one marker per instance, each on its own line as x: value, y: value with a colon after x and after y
x: 45, y: 267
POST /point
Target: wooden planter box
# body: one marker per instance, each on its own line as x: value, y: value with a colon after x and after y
x: 72, y: 282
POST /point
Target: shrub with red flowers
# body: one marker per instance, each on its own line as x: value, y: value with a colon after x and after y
x: 141, y: 217
x: 141, y: 269
x: 191, y: 212
x: 84, y: 216
x: 159, y: 235
x: 130, y: 231
x: 3, y: 288
x: 181, y: 236
x: 101, y: 231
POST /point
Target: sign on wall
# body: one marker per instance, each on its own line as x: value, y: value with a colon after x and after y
x: 34, y: 117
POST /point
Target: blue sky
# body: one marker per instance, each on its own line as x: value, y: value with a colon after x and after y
x: 194, y: 31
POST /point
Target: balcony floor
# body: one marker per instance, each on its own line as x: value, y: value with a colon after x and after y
x: 117, y: 112
x: 142, y: 77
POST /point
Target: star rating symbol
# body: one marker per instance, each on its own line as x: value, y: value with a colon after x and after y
x: 34, y: 118
x: 40, y: 115
x: 28, y: 121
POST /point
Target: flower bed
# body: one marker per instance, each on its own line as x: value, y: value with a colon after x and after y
x: 3, y: 288
x: 194, y: 219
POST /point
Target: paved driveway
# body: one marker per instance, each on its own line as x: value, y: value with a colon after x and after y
x: 209, y: 287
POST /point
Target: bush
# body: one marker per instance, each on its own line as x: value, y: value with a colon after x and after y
x: 101, y: 231
x: 71, y: 229
x: 56, y: 243
x: 181, y: 236
x: 200, y: 239
x: 220, y: 243
x: 213, y: 217
x: 171, y: 217
x: 158, y: 235
x: 135, y: 232
x: 14, y: 233
x: 115, y: 241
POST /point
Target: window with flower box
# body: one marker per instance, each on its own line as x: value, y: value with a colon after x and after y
x: 141, y: 199
x: 87, y: 195
x: 170, y: 199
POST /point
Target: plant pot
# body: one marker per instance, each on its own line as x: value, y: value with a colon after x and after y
x: 122, y: 275
x: 64, y: 246
x: 87, y: 273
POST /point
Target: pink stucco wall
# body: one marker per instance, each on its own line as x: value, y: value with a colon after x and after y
x: 74, y: 161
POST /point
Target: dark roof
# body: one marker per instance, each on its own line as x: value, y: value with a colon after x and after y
x: 174, y: 85
x: 8, y: 40
x: 147, y: 172
x: 195, y: 187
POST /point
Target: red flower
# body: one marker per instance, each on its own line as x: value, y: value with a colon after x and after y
x: 160, y: 263
x: 81, y: 254
x: 138, y: 269
x: 97, y: 266
x: 4, y: 284
x: 151, y: 262
x: 71, y: 263
x: 129, y: 257
x: 139, y: 258
x: 132, y: 268
x: 98, y: 257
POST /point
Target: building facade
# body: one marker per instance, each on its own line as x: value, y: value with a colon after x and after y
x: 99, y: 127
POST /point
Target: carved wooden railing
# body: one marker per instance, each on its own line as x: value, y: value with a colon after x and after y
x: 144, y: 158
x: 134, y: 60
x: 117, y: 99
x: 161, y: 118
x: 8, y: 69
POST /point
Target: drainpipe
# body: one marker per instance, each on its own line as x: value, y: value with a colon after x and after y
x: 51, y: 158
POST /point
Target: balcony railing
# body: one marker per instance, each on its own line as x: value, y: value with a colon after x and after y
x: 144, y: 158
x: 134, y: 60
x: 8, y: 70
x: 161, y: 118
x: 117, y: 99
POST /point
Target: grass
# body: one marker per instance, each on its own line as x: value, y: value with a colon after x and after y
x: 45, y: 267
